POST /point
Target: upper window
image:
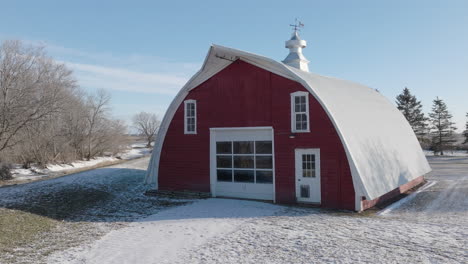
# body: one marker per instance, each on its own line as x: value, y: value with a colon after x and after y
x: 190, y: 123
x: 300, y: 112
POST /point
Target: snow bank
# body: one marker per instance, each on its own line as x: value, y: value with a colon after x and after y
x: 80, y: 164
x: 20, y: 174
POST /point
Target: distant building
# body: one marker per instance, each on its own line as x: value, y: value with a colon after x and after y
x: 246, y: 126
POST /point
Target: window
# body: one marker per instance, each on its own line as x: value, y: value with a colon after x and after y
x: 308, y: 165
x: 244, y: 161
x: 300, y: 112
x: 190, y: 111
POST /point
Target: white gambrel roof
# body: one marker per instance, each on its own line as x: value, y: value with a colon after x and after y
x: 382, y: 150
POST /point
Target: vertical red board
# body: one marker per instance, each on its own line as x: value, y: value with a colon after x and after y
x: 243, y: 95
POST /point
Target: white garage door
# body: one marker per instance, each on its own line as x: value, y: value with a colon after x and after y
x: 241, y: 161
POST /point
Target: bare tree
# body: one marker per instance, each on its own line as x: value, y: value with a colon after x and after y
x: 147, y: 124
x: 32, y: 87
x: 98, y: 106
x: 45, y: 117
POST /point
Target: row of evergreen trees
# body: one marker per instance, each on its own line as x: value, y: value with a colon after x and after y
x: 436, y: 132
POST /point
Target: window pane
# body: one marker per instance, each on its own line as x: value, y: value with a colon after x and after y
x: 263, y: 147
x: 297, y: 107
x: 223, y: 147
x: 224, y: 161
x: 297, y: 100
x: 303, y: 107
x: 264, y: 177
x: 243, y: 147
x: 299, y: 122
x: 190, y: 109
x: 264, y: 162
x: 243, y: 162
x: 224, y: 175
x: 243, y: 175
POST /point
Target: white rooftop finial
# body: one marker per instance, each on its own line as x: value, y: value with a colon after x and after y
x: 295, y: 46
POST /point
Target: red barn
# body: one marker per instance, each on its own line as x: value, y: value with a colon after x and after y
x: 246, y: 126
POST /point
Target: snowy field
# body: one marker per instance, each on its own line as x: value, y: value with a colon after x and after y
x: 430, y: 226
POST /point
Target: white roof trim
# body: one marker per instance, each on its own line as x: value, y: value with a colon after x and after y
x: 382, y: 154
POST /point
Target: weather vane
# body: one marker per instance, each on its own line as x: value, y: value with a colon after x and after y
x: 297, y: 25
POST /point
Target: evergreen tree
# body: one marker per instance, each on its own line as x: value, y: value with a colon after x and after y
x: 466, y: 131
x: 411, y: 108
x: 442, y: 129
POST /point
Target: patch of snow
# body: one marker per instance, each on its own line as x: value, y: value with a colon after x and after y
x: 20, y: 174
x: 168, y: 235
x: 140, y: 145
x: 135, y: 153
x: 79, y: 164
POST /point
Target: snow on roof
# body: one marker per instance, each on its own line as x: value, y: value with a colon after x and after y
x: 382, y: 150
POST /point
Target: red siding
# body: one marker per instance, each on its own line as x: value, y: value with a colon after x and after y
x: 243, y: 95
x: 366, y: 204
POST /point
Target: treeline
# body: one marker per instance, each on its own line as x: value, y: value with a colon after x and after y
x: 45, y: 117
x: 437, y: 131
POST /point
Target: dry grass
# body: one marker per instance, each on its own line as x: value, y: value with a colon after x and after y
x: 60, y: 218
x: 18, y: 228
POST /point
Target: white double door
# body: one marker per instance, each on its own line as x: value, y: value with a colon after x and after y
x: 308, y: 175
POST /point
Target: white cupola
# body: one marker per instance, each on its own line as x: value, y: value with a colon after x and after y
x: 295, y: 58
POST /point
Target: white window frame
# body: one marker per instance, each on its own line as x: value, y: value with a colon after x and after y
x: 186, y: 102
x: 293, y: 111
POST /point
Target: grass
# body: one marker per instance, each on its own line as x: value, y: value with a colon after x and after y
x: 63, y: 204
x: 46, y: 222
x: 45, y: 218
x: 18, y: 228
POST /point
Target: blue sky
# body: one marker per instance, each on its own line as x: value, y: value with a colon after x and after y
x: 144, y: 51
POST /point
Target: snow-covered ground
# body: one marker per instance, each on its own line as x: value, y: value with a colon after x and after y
x: 454, y: 153
x: 136, y: 150
x: 430, y: 226
x: 82, y: 207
